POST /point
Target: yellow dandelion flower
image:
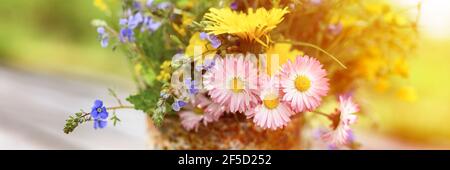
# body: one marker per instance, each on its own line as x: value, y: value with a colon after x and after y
x: 284, y: 52
x: 253, y: 25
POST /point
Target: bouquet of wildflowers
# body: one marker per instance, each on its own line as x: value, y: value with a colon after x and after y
x: 245, y: 73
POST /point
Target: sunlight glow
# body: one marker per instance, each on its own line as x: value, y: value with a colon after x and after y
x: 435, y: 17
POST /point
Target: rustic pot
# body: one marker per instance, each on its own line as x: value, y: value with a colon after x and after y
x: 232, y: 131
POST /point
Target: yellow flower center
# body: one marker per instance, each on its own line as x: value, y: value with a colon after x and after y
x: 271, y: 101
x: 237, y: 85
x: 198, y: 110
x: 302, y: 83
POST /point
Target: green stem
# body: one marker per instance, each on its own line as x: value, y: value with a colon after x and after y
x: 305, y: 44
x: 120, y: 107
x: 321, y: 113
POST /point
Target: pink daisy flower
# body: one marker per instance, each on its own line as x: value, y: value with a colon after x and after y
x: 200, y: 110
x: 272, y: 113
x: 232, y: 83
x: 304, y: 83
x: 341, y: 132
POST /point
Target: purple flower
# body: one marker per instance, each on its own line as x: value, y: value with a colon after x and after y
x: 191, y: 86
x: 99, y: 114
x: 132, y: 21
x: 214, y: 40
x: 137, y: 5
x: 207, y: 64
x: 126, y: 35
x: 164, y: 5
x: 128, y: 25
x: 103, y: 36
x: 234, y: 5
x: 203, y: 35
x: 150, y: 24
x: 149, y: 3
x: 177, y: 105
x: 99, y: 123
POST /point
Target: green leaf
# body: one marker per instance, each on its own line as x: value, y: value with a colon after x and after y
x: 145, y: 100
x: 149, y: 76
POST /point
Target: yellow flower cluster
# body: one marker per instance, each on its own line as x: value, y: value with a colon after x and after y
x: 101, y: 5
x: 252, y: 26
x: 165, y: 72
x: 371, y: 37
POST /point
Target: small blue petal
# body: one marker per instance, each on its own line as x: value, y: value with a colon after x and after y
x: 203, y: 35
x: 102, y: 124
x: 101, y: 30
x: 97, y: 104
x: 94, y: 113
x: 137, y: 5
x: 99, y: 123
x: 193, y: 91
x: 123, y: 22
x: 126, y: 34
x: 175, y: 107
x: 215, y: 42
x: 134, y: 21
x: 164, y: 5
x: 95, y: 124
x: 181, y: 103
x: 153, y: 26
x: 104, y: 114
x: 187, y: 82
x: 105, y: 42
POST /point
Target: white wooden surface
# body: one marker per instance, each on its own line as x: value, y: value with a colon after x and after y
x: 33, y: 109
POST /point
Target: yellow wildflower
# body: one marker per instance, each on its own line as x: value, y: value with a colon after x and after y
x: 250, y: 26
x: 203, y: 46
x: 369, y: 67
x: 186, y: 20
x: 401, y: 67
x: 164, y: 73
x: 100, y: 4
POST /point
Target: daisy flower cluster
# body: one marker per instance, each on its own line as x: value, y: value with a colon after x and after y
x: 200, y: 62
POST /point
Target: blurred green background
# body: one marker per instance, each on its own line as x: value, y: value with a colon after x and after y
x: 55, y: 36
